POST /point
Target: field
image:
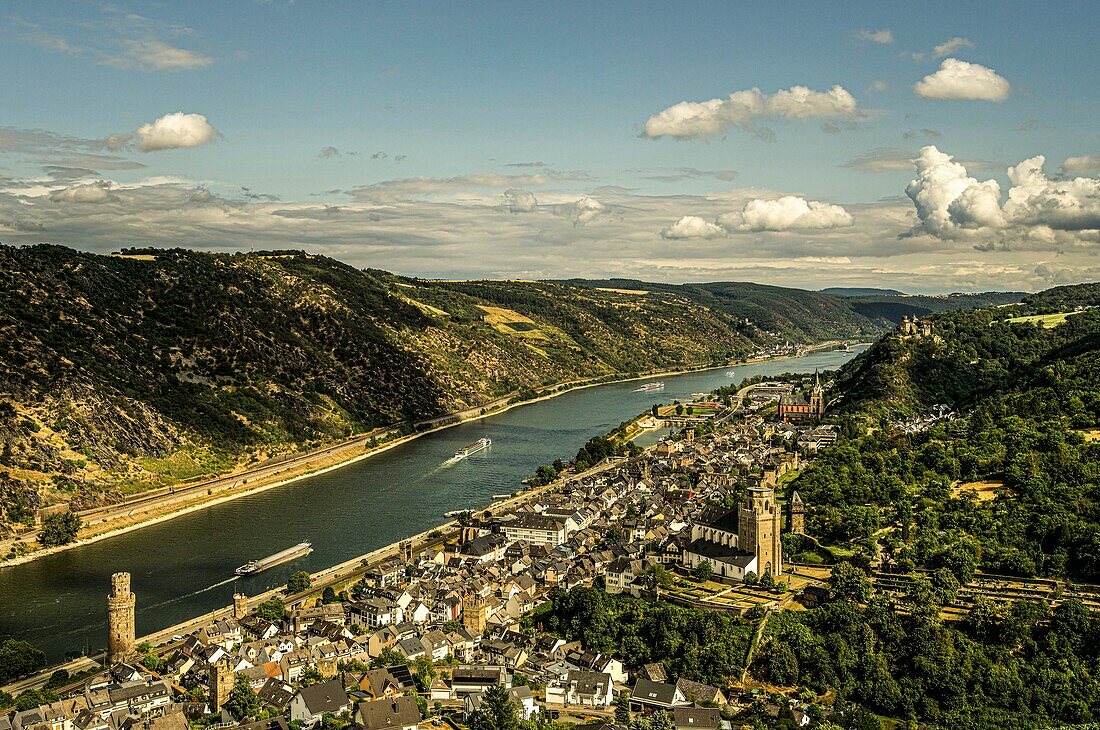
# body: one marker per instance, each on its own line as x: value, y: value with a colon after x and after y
x: 986, y: 490
x: 1044, y: 320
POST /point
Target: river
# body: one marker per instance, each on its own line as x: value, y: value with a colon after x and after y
x: 184, y: 567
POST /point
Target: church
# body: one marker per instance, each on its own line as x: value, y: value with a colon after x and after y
x: 794, y: 407
x: 738, y: 541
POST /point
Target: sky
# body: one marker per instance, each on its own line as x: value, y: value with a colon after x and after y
x: 927, y: 147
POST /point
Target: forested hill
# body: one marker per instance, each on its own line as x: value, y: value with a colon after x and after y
x: 955, y: 519
x: 118, y: 373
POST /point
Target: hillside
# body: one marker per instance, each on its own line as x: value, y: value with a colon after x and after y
x: 121, y: 373
x: 938, y: 618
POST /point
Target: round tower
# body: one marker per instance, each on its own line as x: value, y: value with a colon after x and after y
x: 240, y: 606
x: 120, y: 618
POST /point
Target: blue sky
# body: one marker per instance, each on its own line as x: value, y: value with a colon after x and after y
x: 450, y: 94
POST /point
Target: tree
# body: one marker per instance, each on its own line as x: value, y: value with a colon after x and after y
x: 703, y: 571
x: 622, y: 708
x: 497, y: 711
x: 679, y: 409
x: 242, y: 701
x: 298, y: 582
x: 751, y: 578
x: 655, y: 410
x: 18, y: 659
x: 849, y: 583
x: 59, y: 529
x: 329, y: 595
x: 273, y: 609
x: 388, y: 658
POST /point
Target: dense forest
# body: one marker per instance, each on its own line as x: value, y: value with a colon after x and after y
x: 973, y: 452
x: 119, y: 373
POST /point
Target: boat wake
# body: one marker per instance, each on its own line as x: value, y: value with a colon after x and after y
x: 219, y: 584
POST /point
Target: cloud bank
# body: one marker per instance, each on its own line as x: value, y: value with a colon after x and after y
x: 745, y: 109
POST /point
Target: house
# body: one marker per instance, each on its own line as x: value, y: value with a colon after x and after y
x: 620, y: 573
x: 379, y: 684
x: 311, y: 703
x: 398, y: 713
x: 277, y: 694
x: 700, y: 694
x: 468, y: 679
x: 520, y: 696
x: 536, y: 529
x: 647, y: 695
x: 582, y: 687
x: 696, y: 718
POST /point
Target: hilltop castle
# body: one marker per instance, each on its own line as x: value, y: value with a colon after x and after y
x: 914, y: 327
x: 736, y: 542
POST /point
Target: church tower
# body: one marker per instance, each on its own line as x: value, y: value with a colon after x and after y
x: 817, y: 398
x: 758, y: 528
x: 120, y: 619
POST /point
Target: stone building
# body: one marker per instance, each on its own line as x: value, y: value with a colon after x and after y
x: 736, y: 542
x: 797, y: 514
x: 795, y: 406
x: 120, y: 619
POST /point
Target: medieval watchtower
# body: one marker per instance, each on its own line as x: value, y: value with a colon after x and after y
x: 120, y: 618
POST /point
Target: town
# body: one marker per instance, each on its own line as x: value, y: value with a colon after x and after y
x: 449, y: 631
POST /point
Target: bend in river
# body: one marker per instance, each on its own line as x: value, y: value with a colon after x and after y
x: 184, y: 567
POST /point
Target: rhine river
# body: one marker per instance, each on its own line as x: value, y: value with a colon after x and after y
x: 184, y: 567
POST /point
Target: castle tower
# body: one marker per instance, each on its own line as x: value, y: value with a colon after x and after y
x: 758, y: 530
x: 222, y: 678
x: 475, y: 614
x: 240, y: 606
x: 120, y: 619
x: 689, y: 434
x: 798, y: 514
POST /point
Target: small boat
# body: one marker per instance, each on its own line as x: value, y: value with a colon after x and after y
x: 479, y: 445
x: 650, y: 387
x: 256, y: 566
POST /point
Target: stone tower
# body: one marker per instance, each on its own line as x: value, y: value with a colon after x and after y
x: 689, y: 435
x: 758, y: 530
x: 120, y: 619
x: 475, y: 614
x: 222, y: 678
x: 817, y: 398
x: 798, y: 514
x: 240, y: 606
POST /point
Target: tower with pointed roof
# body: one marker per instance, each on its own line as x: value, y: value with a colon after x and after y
x: 797, y: 514
x: 817, y: 398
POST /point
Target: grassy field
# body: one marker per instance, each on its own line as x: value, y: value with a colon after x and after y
x: 1044, y: 320
x: 985, y: 490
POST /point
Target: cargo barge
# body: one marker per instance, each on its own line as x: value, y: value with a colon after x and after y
x: 257, y: 566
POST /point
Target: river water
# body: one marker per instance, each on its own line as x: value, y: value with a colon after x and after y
x: 184, y: 567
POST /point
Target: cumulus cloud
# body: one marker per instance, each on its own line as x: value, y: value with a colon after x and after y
x: 952, y: 204
x: 515, y: 200
x: 173, y: 131
x: 153, y: 55
x: 97, y: 192
x: 787, y: 213
x: 1082, y: 164
x: 583, y: 211
x: 883, y: 36
x: 744, y: 109
x: 691, y: 226
x: 957, y: 80
x: 950, y: 46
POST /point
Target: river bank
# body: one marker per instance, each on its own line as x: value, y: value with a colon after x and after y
x: 326, y: 459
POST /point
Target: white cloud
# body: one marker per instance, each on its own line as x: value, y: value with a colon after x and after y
x: 705, y: 119
x: 173, y: 131
x: 583, y: 211
x: 1082, y: 164
x: 416, y: 187
x: 691, y: 226
x: 97, y: 192
x: 882, y: 159
x: 786, y: 214
x: 1038, y: 211
x: 154, y: 55
x: 515, y: 200
x: 950, y: 46
x: 883, y: 36
x: 957, y: 79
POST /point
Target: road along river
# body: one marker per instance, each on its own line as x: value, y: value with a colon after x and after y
x: 184, y: 567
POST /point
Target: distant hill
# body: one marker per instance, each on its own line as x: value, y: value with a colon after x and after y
x: 120, y: 373
x: 855, y: 291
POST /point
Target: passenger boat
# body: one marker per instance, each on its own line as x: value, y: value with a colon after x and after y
x: 256, y: 566
x: 475, y: 447
x: 651, y: 386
